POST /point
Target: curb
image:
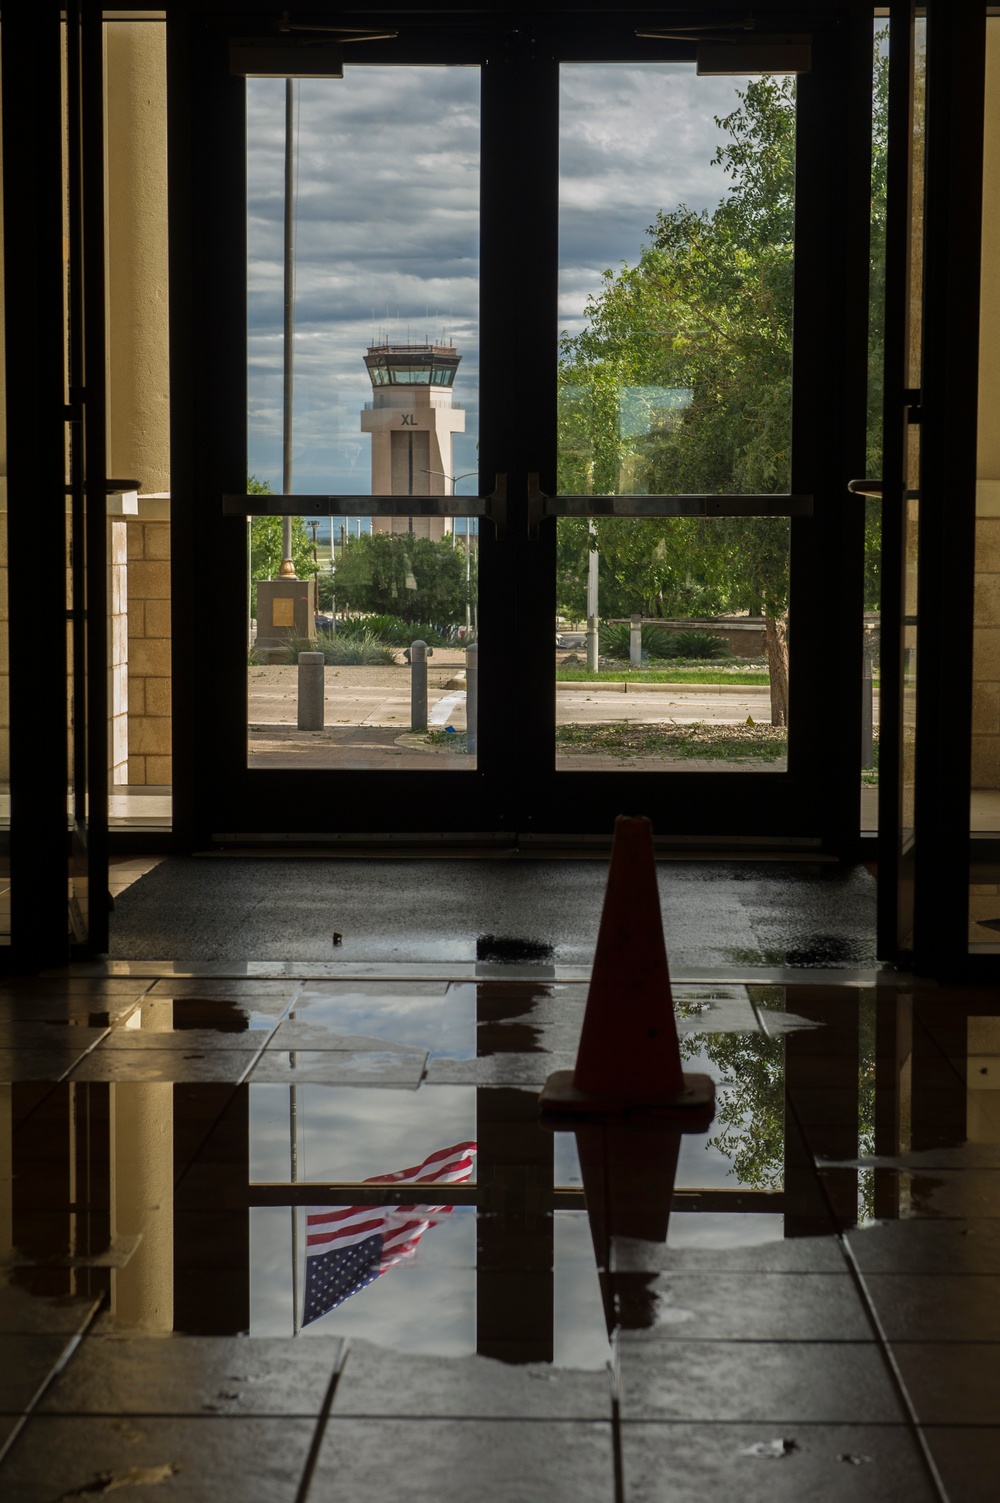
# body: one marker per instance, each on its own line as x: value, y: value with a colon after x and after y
x: 606, y: 687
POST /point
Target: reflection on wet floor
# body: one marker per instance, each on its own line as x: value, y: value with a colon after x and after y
x: 578, y: 1313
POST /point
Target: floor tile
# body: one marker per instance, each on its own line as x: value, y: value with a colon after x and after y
x: 697, y: 1463
x: 195, y: 1375
x: 499, y: 1069
x: 968, y: 1461
x: 448, y: 1461
x: 23, y: 1312
x: 25, y: 1363
x: 756, y: 1307
x: 382, y: 1067
x: 971, y: 1194
x: 765, y: 1381
x: 37, y: 1063
x: 921, y: 1246
x: 220, y: 1065
x: 73, y: 1012
x: 951, y: 1383
x: 936, y: 1306
x: 304, y: 1035
x: 240, y: 988
x: 47, y: 1034
x: 186, y: 1040
x: 197, y: 1460
x: 376, y: 1381
x: 783, y: 1255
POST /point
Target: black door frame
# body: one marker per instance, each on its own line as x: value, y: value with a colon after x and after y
x: 516, y: 796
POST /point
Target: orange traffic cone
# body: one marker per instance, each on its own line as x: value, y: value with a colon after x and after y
x: 628, y: 1054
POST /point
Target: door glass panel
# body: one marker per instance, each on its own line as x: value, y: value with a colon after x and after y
x: 874, y: 463
x: 674, y: 377
x: 984, y: 878
x: 385, y: 247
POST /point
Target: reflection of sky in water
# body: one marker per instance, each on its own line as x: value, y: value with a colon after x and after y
x: 580, y: 1336
x: 353, y: 1133
x: 428, y: 1303
x: 435, y: 1016
x: 707, y: 1229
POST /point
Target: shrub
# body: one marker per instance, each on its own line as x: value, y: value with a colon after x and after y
x: 699, y: 644
x: 390, y: 629
x: 362, y: 650
x: 616, y: 640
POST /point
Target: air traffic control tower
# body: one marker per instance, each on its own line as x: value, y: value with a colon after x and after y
x: 411, y: 419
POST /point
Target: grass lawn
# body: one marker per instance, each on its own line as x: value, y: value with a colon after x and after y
x: 717, y: 743
x: 685, y: 675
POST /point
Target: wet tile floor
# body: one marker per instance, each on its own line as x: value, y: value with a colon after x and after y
x: 220, y: 1280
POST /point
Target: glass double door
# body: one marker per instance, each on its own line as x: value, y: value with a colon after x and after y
x: 503, y: 509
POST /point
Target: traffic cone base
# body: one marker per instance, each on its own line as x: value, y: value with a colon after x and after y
x: 696, y: 1099
x: 629, y: 1056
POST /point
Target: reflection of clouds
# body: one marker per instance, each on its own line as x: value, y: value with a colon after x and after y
x: 580, y: 1336
x: 438, y: 1018
x: 353, y: 1133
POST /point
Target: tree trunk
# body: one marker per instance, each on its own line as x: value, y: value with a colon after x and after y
x: 776, y: 648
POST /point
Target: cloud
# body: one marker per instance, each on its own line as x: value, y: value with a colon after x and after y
x: 387, y: 228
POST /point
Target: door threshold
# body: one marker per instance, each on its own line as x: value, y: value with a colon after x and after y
x: 477, y: 846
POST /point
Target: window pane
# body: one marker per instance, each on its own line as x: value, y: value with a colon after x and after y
x: 385, y: 272
x: 674, y: 377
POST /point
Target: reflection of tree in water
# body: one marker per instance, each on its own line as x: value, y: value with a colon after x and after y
x: 750, y: 1111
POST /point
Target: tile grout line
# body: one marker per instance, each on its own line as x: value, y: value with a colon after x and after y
x: 885, y: 1351
x: 890, y: 1360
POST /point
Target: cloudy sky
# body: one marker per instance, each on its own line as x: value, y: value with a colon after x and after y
x: 388, y: 229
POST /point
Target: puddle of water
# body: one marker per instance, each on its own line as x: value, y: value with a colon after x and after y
x: 437, y: 1016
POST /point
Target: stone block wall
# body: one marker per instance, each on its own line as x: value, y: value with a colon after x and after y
x: 149, y: 728
x: 117, y: 651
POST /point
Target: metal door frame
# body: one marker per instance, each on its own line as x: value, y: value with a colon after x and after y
x: 515, y: 795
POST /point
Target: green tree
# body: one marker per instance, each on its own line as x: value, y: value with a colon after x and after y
x: 266, y: 547
x: 398, y: 574
x: 681, y: 382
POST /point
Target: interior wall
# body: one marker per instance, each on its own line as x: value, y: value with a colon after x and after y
x: 139, y: 377
x: 986, y: 656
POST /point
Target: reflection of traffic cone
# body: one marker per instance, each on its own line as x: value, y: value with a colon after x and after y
x: 628, y: 1054
x: 628, y: 1183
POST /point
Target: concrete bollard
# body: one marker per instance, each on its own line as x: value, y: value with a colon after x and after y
x: 471, y: 699
x: 418, y: 686
x: 635, y: 641
x: 867, y: 713
x: 311, y: 685
x: 593, y: 643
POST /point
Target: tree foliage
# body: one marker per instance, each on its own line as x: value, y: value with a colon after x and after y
x: 681, y: 382
x: 398, y: 574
